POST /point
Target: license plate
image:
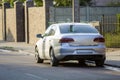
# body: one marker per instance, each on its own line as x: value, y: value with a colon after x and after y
x: 84, y: 51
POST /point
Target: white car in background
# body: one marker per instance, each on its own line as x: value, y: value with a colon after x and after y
x: 70, y: 41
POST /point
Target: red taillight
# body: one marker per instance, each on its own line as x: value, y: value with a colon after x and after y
x: 66, y: 40
x: 99, y: 39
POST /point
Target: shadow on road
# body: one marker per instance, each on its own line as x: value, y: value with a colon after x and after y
x: 75, y: 65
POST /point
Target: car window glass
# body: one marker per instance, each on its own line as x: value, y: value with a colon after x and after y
x: 53, y: 30
x: 47, y: 32
x: 77, y: 29
x: 50, y: 31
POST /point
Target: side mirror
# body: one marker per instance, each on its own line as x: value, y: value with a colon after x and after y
x: 39, y: 36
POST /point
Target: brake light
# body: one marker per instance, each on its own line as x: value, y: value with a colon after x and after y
x: 99, y: 39
x: 66, y: 40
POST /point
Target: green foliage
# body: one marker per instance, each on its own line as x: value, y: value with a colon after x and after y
x: 0, y: 3
x: 69, y: 2
x: 85, y: 2
x: 6, y: 0
x: 112, y: 40
x: 118, y: 22
x: 63, y: 2
x: 113, y: 4
x: 12, y: 2
x: 38, y: 2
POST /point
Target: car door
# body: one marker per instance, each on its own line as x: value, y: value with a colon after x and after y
x: 42, y: 42
x: 47, y: 41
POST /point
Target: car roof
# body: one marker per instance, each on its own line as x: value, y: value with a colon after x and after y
x: 72, y: 24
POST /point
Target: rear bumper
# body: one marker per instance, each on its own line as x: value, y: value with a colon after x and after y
x: 77, y: 53
x: 84, y: 57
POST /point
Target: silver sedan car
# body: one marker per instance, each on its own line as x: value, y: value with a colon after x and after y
x: 70, y: 41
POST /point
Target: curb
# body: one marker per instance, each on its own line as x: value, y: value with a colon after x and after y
x: 112, y: 65
x: 28, y: 52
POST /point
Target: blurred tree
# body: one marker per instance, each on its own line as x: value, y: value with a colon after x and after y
x: 0, y: 2
x: 38, y: 2
x: 69, y: 2
x: 63, y: 2
x: 113, y: 4
x: 85, y: 2
x: 12, y: 2
x: 56, y: 2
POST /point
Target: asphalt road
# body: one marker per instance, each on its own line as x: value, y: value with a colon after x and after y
x: 21, y: 66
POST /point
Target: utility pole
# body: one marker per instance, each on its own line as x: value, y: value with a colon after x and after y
x: 75, y: 11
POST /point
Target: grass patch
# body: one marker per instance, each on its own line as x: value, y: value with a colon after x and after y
x: 112, y: 40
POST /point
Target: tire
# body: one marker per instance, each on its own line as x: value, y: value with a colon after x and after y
x: 99, y: 63
x: 81, y: 62
x: 37, y: 58
x: 53, y: 61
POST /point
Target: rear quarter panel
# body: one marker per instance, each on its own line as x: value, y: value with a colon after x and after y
x: 40, y: 48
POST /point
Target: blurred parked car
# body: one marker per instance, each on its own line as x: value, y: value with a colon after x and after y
x: 70, y: 41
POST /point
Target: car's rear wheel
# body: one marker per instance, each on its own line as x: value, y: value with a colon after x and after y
x: 53, y: 61
x: 81, y: 62
x: 99, y: 63
x: 37, y: 58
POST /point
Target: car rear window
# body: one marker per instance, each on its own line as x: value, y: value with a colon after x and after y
x: 77, y: 29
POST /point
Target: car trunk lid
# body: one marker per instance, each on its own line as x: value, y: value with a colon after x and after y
x: 83, y: 39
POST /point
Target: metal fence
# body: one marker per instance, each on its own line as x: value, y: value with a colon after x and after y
x: 64, y: 14
x: 110, y: 28
x: 108, y: 17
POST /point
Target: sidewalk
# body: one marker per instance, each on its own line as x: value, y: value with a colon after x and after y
x: 113, y: 58
x: 112, y: 55
x: 17, y: 46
